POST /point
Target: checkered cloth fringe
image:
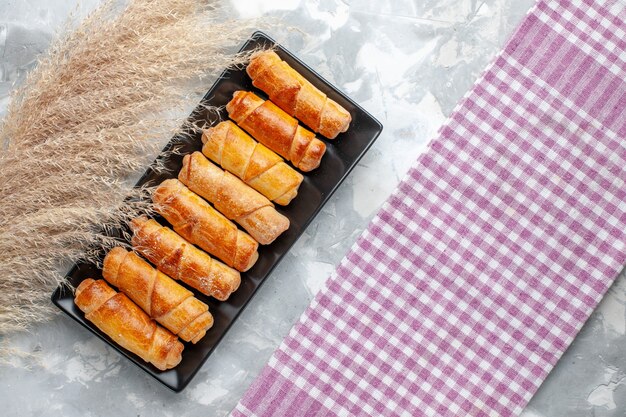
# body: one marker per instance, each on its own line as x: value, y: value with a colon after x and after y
x: 480, y: 269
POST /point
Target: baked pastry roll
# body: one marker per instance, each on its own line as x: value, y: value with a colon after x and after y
x: 259, y: 167
x: 199, y: 223
x: 233, y: 198
x: 297, y: 96
x: 277, y: 130
x: 166, y: 301
x: 181, y: 260
x: 128, y: 325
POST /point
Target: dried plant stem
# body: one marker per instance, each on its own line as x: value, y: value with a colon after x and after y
x: 83, y: 121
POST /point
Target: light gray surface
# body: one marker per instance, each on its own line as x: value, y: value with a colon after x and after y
x: 408, y: 63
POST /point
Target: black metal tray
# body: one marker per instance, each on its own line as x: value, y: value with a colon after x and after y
x: 341, y: 156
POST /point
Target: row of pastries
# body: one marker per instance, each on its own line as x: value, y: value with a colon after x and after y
x: 235, y: 180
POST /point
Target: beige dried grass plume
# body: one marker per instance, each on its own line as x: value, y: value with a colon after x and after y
x: 84, y: 119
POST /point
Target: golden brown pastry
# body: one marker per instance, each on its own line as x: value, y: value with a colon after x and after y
x: 297, y: 96
x: 181, y: 260
x: 199, y: 223
x: 233, y: 198
x: 259, y: 167
x: 166, y: 301
x: 275, y: 129
x: 128, y: 325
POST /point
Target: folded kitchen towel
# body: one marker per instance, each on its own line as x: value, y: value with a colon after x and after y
x: 479, y: 270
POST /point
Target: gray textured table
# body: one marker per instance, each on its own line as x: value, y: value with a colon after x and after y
x: 408, y: 63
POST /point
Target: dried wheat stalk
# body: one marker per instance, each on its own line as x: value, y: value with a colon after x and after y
x: 86, y: 117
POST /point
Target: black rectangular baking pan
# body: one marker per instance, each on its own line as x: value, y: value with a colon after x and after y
x: 342, y: 155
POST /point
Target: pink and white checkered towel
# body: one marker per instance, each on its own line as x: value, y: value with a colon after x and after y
x: 480, y: 269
